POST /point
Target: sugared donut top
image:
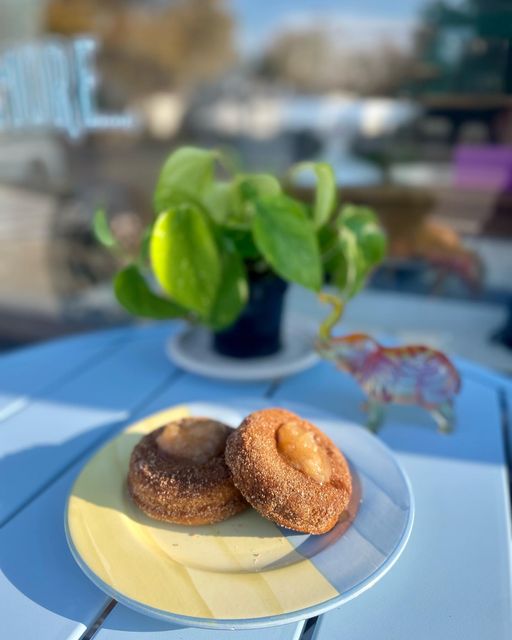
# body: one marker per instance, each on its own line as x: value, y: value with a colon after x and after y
x: 289, y: 470
x: 178, y: 473
x: 174, y: 460
x: 298, y: 444
x: 193, y: 439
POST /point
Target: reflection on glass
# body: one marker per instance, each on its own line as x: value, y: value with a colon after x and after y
x: 410, y: 102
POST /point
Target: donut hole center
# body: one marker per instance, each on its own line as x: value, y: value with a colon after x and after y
x: 193, y: 441
x: 298, y: 445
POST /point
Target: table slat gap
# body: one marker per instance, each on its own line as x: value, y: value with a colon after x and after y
x: 308, y: 632
x: 273, y: 388
x: 95, y: 625
x: 505, y: 409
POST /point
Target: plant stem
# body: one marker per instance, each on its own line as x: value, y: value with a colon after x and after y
x: 338, y: 306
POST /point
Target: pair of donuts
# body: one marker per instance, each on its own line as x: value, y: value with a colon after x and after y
x: 199, y: 471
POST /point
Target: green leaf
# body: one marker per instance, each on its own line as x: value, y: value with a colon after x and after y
x: 134, y: 294
x: 244, y: 190
x: 217, y: 201
x: 233, y: 291
x: 186, y: 175
x: 185, y: 258
x: 144, y: 244
x: 364, y: 224
x: 325, y: 196
x: 360, y: 244
x: 101, y: 229
x: 246, y: 187
x: 350, y: 269
x: 243, y: 242
x: 286, y: 238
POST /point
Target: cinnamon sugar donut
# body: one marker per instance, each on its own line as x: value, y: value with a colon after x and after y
x: 178, y: 474
x: 289, y: 470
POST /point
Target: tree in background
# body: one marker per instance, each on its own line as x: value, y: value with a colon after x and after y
x: 464, y: 48
x: 150, y: 45
x: 316, y: 59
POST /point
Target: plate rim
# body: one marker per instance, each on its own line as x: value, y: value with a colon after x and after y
x: 263, y: 621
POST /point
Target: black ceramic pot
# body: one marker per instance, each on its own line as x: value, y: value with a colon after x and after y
x: 257, y: 332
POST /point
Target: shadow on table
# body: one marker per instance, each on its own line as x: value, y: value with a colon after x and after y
x: 29, y: 471
x: 34, y: 555
x: 36, y: 560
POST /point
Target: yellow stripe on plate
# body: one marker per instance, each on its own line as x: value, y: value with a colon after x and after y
x: 240, y: 568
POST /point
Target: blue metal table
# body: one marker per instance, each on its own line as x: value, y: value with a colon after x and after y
x: 62, y: 400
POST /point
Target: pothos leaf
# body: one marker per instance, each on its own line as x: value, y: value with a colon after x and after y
x: 233, y: 291
x: 144, y: 245
x: 243, y: 242
x: 286, y: 238
x: 325, y: 195
x: 244, y: 190
x: 133, y: 293
x: 359, y: 245
x: 216, y: 199
x: 185, y: 258
x: 364, y: 224
x: 246, y: 187
x: 101, y: 229
x: 186, y: 175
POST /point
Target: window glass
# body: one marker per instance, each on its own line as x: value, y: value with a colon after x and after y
x: 410, y: 101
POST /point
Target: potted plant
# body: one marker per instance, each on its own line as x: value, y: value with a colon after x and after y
x: 221, y: 252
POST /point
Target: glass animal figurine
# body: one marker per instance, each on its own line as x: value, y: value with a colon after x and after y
x: 412, y: 374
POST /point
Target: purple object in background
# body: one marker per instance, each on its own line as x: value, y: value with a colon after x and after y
x: 483, y: 167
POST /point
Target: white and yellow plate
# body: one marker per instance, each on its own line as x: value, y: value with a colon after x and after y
x: 244, y: 572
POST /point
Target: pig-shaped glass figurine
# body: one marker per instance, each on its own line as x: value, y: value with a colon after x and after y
x: 413, y: 374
